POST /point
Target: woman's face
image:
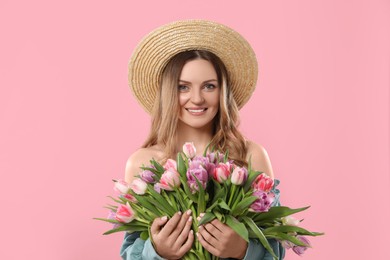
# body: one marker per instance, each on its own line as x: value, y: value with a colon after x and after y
x: 198, y: 94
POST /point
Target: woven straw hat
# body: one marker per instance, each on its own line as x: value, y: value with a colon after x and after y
x: 159, y: 46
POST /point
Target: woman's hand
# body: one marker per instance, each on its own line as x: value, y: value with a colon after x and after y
x: 222, y: 241
x: 172, y: 238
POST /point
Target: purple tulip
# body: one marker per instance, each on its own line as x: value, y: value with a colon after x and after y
x: 199, y: 173
x: 299, y: 250
x: 263, y: 202
x: 148, y: 176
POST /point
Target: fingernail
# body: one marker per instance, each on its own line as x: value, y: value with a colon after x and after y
x: 164, y: 218
x: 190, y: 219
x: 201, y: 215
x: 197, y: 234
x: 192, y: 231
x: 179, y: 213
x: 198, y: 218
x: 189, y: 212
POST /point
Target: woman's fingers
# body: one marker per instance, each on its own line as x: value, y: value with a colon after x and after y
x: 171, y: 225
x: 182, y: 224
x: 209, y: 237
x: 183, y: 236
x: 188, y: 244
x: 206, y: 244
x: 157, y: 225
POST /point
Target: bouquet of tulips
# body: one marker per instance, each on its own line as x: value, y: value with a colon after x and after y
x: 211, y: 186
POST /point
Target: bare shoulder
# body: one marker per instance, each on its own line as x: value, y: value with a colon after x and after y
x: 259, y: 158
x: 140, y: 157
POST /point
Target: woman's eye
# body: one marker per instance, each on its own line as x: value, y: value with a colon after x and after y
x: 210, y: 86
x: 182, y: 88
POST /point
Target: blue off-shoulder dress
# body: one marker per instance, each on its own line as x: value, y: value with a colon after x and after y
x: 134, y: 248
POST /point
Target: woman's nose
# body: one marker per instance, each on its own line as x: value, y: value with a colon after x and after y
x: 196, y: 96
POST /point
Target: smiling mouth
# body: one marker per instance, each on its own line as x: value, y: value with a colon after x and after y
x: 196, y: 110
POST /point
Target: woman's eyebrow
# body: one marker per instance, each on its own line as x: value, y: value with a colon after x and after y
x: 210, y: 80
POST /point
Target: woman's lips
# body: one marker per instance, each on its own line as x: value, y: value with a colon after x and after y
x: 196, y: 111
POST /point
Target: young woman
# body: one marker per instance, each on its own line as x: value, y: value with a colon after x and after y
x: 197, y: 93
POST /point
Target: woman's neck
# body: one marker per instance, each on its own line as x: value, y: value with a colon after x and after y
x: 201, y: 137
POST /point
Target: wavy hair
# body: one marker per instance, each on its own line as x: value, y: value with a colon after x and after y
x: 166, y: 109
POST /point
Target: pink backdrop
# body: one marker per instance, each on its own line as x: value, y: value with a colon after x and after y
x: 69, y: 121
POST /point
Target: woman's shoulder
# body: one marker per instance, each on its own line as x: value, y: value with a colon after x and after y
x: 141, y: 157
x: 259, y: 158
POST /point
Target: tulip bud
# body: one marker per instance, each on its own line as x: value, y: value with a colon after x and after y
x: 239, y: 175
x: 139, y: 186
x: 121, y: 186
x: 221, y: 172
x: 125, y: 213
x: 189, y: 150
x: 169, y: 179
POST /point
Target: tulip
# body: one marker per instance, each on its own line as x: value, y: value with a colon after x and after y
x: 130, y: 197
x: 299, y: 250
x: 239, y: 175
x: 169, y: 179
x: 125, y: 213
x: 139, y: 186
x: 291, y: 221
x: 121, y: 186
x: 263, y: 182
x: 263, y: 202
x: 189, y: 150
x: 221, y: 172
x: 199, y: 174
x: 170, y: 164
x: 148, y: 176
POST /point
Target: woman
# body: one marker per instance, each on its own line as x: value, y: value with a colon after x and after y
x: 198, y: 87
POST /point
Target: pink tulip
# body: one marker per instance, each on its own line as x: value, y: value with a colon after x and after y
x: 121, y: 186
x: 189, y: 150
x: 169, y: 179
x: 139, y: 186
x: 130, y: 197
x: 239, y: 175
x: 170, y: 164
x: 125, y: 213
x: 263, y: 182
x: 221, y: 172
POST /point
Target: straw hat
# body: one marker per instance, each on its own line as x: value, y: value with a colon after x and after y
x: 159, y: 46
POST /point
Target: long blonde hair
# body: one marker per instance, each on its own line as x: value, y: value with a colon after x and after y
x: 226, y: 135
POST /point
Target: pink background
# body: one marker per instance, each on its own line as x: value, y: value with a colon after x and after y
x: 69, y: 121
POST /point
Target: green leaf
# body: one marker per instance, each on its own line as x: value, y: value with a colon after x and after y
x: 223, y: 205
x: 205, y: 149
x: 158, y: 166
x: 243, y: 205
x: 282, y: 236
x: 288, y: 228
x: 259, y: 234
x: 276, y: 212
x: 161, y: 202
x: 146, y: 203
x: 237, y: 226
x: 181, y: 166
x: 206, y: 218
x: 226, y: 157
x: 108, y: 220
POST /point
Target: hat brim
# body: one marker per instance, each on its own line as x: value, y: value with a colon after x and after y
x: 158, y: 47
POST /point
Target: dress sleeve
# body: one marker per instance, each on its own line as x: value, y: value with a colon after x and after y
x: 256, y: 250
x: 134, y: 248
